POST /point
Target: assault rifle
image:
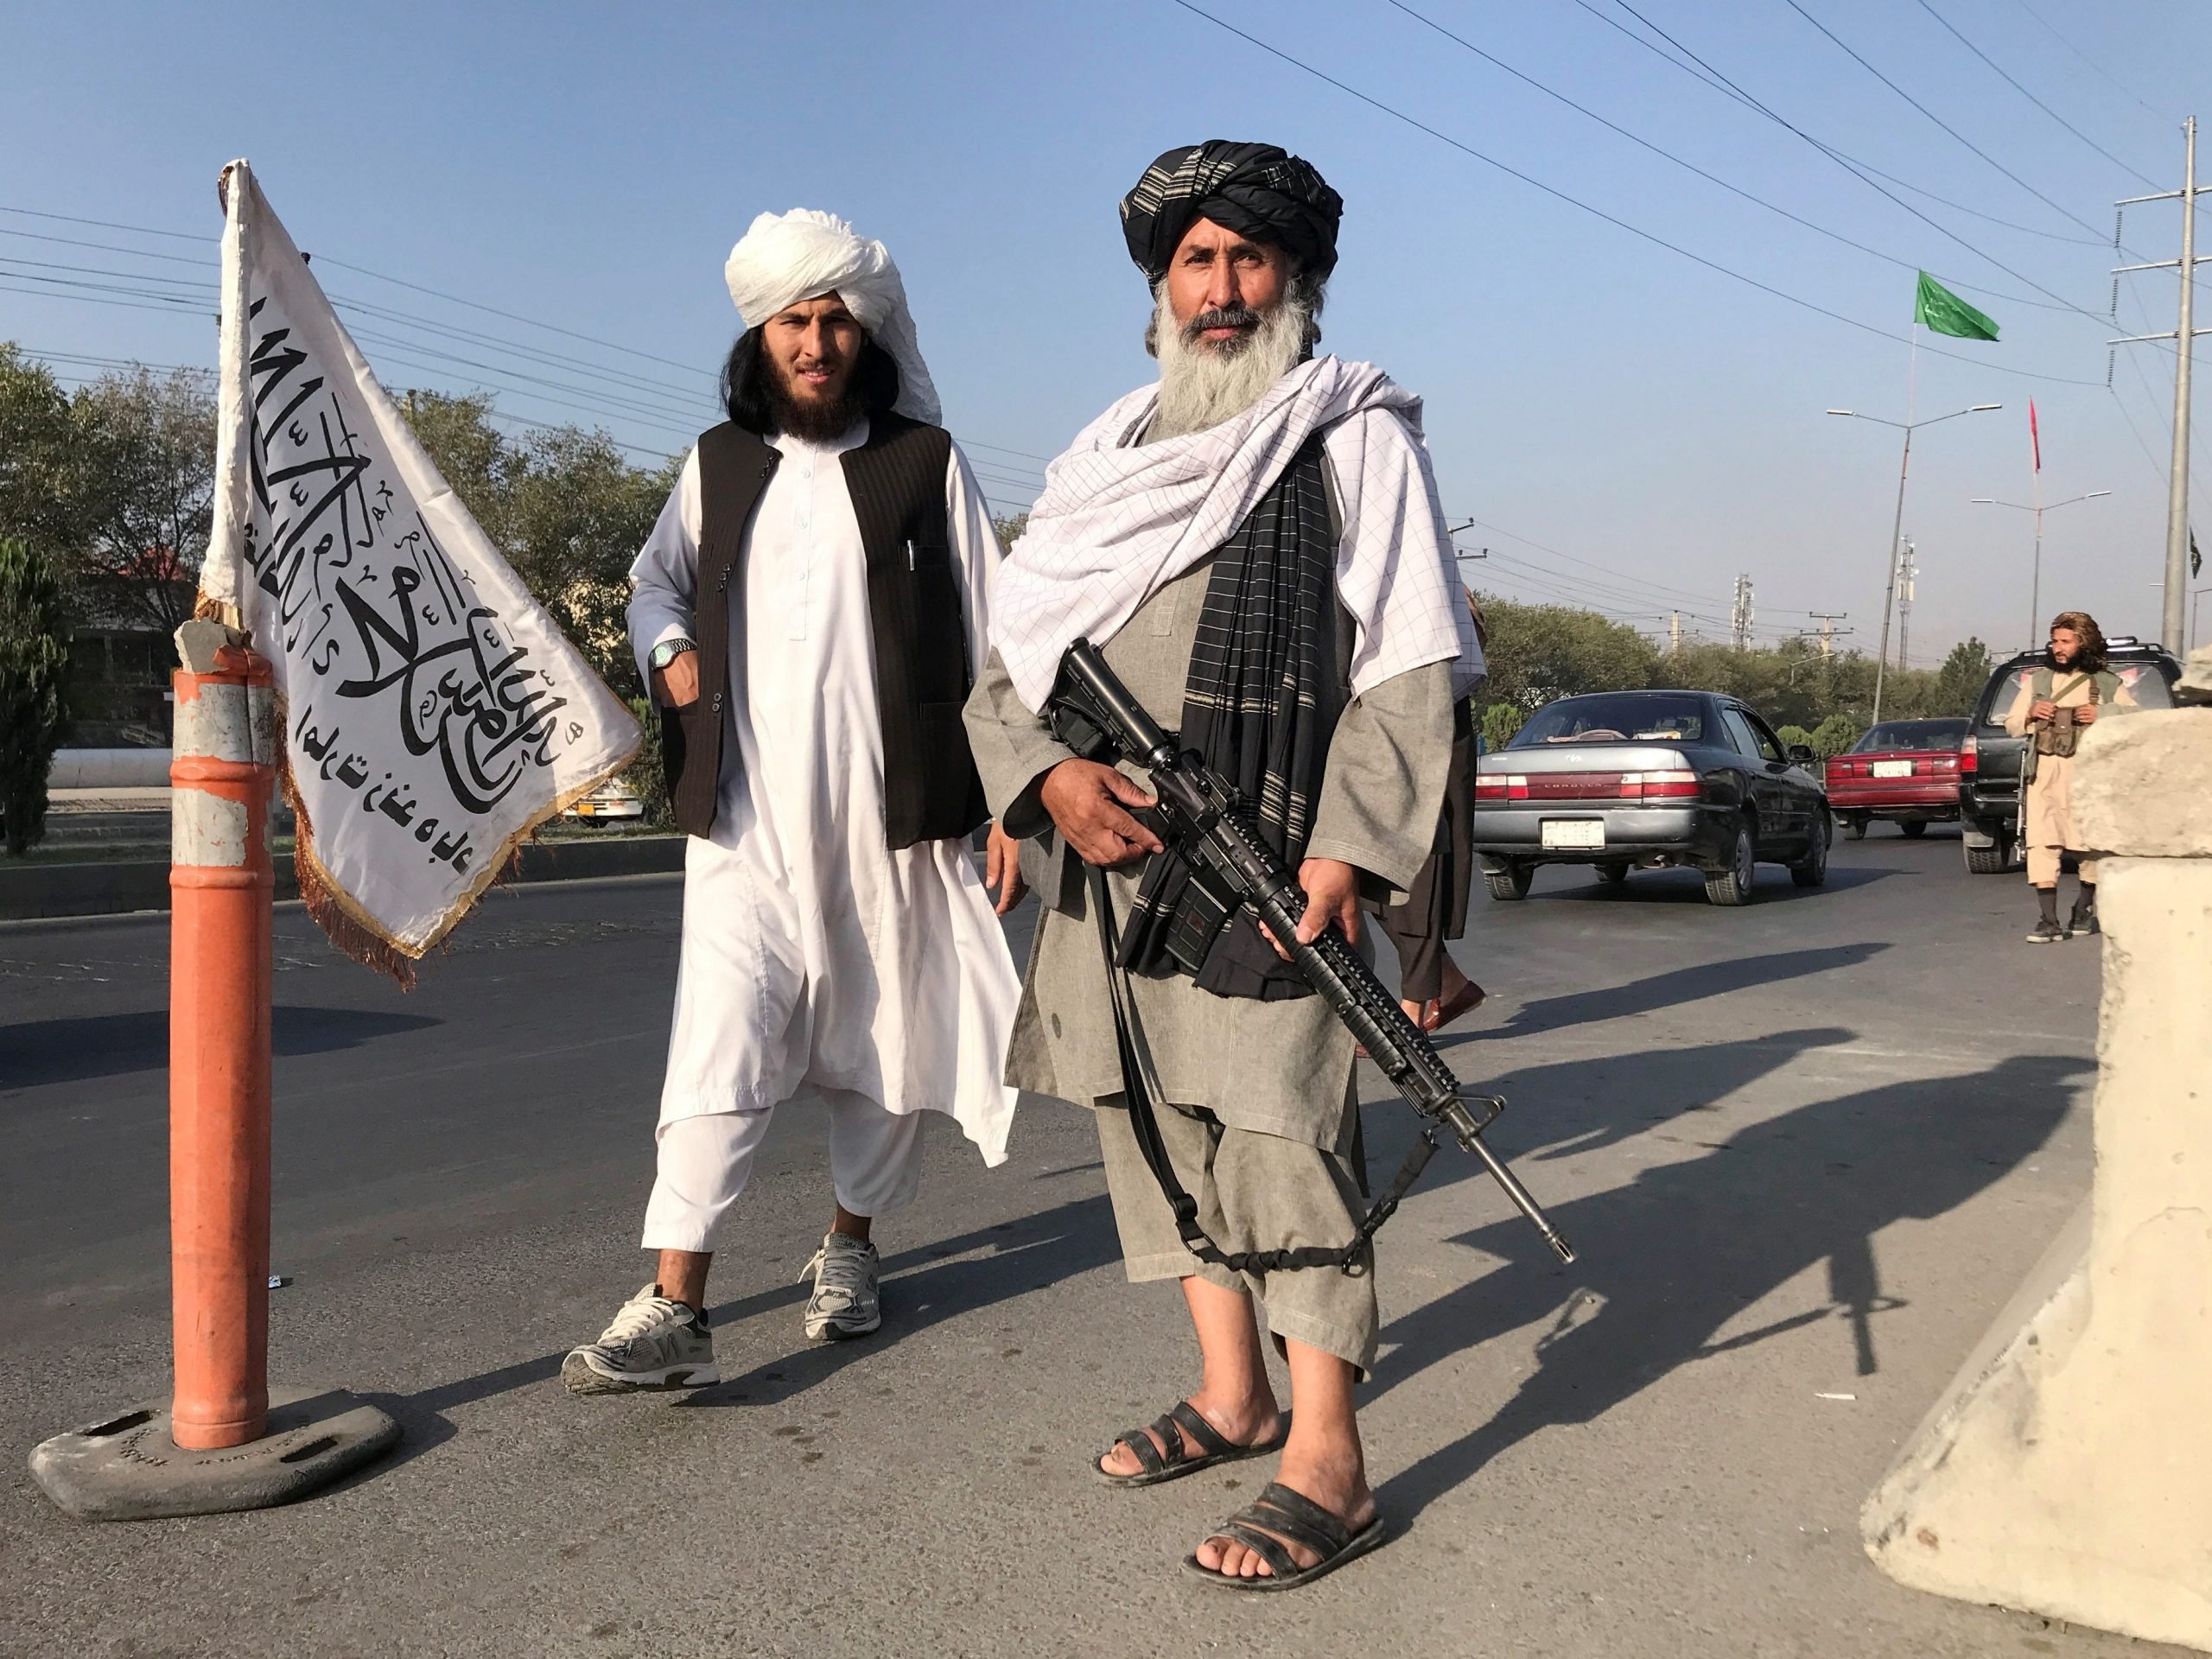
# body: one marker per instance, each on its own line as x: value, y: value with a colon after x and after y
x: 1201, y: 817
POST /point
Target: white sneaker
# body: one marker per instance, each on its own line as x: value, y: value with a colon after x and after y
x: 844, y: 1301
x: 653, y: 1343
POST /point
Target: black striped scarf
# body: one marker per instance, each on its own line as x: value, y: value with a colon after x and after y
x: 1267, y: 685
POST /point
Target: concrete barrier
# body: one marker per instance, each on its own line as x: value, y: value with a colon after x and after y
x: 2068, y: 1471
x: 109, y: 769
x: 109, y: 886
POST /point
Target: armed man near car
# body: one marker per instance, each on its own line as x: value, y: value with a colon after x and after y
x: 2051, y: 710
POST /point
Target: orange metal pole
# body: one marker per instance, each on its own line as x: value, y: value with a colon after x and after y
x: 221, y: 886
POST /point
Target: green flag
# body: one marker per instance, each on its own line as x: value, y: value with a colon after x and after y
x: 1946, y: 313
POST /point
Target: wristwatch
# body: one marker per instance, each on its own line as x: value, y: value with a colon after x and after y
x: 667, y: 651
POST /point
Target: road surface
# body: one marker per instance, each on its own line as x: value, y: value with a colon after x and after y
x: 1806, y: 1150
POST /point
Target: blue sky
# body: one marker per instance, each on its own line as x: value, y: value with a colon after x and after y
x: 1633, y: 429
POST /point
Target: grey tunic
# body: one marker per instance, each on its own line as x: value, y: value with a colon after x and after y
x: 1280, y: 1068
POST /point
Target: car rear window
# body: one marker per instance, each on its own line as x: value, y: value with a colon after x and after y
x: 2143, y: 680
x: 1624, y: 719
x: 1897, y: 734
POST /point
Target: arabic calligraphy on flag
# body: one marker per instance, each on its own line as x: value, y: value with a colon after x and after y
x: 433, y: 713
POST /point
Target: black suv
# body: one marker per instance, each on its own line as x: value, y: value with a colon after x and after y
x: 1989, y: 761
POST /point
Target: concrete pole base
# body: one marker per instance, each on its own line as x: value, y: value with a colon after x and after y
x: 127, y: 1468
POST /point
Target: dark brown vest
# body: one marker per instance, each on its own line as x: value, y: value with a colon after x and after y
x: 930, y: 791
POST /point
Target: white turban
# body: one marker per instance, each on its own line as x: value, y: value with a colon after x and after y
x: 785, y: 258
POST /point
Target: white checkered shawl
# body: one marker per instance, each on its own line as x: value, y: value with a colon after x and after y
x: 1119, y: 519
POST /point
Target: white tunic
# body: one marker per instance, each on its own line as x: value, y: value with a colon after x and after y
x: 814, y: 957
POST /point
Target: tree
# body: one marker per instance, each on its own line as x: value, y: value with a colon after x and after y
x: 1959, y: 682
x: 34, y: 688
x: 1538, y: 653
x: 1501, y: 720
x: 1794, y: 736
x: 145, y: 449
x: 1834, y: 735
x: 567, y: 509
x: 1009, y: 527
x: 40, y: 495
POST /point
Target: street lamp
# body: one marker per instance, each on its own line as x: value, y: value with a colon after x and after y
x: 2038, y: 508
x: 1897, y: 525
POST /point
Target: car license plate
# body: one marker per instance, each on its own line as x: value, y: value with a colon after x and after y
x: 1893, y: 769
x: 1573, y: 834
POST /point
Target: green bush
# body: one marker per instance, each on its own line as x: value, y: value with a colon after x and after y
x: 1499, y: 723
x: 34, y: 681
x: 645, y: 773
x: 1792, y: 736
x: 1834, y: 735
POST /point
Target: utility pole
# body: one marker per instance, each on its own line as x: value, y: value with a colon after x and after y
x: 1739, y: 615
x: 1827, y: 619
x: 1909, y: 569
x: 1674, y: 632
x: 2184, y: 339
x: 1896, y: 523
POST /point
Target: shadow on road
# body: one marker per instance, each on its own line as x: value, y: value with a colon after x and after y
x: 94, y: 1046
x: 922, y: 1287
x: 1671, y: 989
x: 1668, y: 1262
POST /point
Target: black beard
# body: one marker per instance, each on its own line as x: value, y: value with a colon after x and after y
x: 814, y: 422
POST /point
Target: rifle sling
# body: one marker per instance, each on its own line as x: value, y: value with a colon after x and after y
x: 1141, y: 1089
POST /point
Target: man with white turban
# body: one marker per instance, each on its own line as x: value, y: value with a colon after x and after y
x: 811, y: 611
x: 1255, y: 546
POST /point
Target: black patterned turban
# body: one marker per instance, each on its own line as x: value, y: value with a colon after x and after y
x: 1259, y: 191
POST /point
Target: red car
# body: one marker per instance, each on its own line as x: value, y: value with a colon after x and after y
x: 1906, y: 771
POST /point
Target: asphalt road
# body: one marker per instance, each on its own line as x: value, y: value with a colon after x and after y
x: 1806, y: 1150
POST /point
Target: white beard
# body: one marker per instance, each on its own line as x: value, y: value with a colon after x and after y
x: 1202, y: 384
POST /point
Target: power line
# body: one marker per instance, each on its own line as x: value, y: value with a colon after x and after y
x: 106, y: 224
x: 1864, y: 174
x: 1710, y: 178
x: 2032, y: 98
x: 1703, y: 73
x: 515, y: 316
x: 1500, y: 530
x: 104, y: 247
x: 1937, y: 119
x: 1621, y: 224
x: 2084, y: 56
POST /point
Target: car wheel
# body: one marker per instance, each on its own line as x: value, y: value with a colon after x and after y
x: 1914, y: 828
x: 1858, y: 822
x: 1993, y: 859
x: 1812, y: 871
x: 1732, y: 885
x: 1512, y: 881
x: 1612, y: 875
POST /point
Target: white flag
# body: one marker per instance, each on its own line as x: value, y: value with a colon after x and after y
x: 433, y: 713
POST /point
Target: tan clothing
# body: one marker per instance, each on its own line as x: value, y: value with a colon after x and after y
x: 2047, y: 805
x: 1275, y: 1068
x: 1254, y: 1193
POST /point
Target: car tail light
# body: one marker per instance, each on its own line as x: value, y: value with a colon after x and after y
x: 1944, y: 763
x: 1507, y: 786
x: 1970, y: 754
x: 1660, y: 786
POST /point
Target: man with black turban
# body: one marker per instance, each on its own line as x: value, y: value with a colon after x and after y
x: 1255, y: 544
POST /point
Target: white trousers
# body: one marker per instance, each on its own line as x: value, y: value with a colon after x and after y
x: 876, y: 1165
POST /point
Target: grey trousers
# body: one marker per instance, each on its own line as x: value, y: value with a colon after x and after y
x: 1255, y: 1193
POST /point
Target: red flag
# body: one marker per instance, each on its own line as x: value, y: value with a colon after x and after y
x: 2034, y: 437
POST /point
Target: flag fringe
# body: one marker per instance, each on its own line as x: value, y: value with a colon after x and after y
x: 345, y: 924
x: 352, y: 928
